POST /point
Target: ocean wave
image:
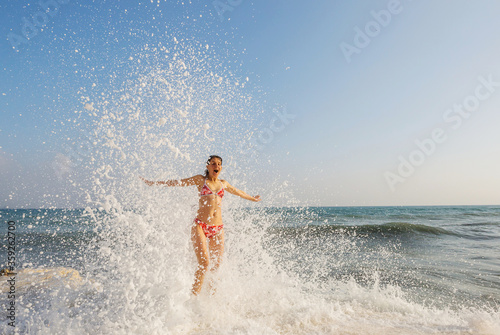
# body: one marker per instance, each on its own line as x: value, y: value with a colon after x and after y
x: 479, y: 224
x: 389, y: 228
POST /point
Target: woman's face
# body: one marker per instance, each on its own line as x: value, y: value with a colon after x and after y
x: 214, y: 167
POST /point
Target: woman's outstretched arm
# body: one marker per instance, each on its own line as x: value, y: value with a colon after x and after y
x: 240, y: 193
x: 183, y: 182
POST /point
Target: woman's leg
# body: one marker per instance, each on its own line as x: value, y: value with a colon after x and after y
x: 216, y: 246
x: 200, y: 248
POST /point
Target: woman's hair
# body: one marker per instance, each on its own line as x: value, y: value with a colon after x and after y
x: 208, y: 162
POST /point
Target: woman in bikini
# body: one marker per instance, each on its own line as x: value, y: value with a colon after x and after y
x: 207, y: 232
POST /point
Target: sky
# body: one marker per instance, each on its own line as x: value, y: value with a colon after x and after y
x: 364, y: 103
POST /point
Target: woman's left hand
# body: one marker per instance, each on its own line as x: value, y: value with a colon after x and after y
x: 149, y: 183
x: 257, y: 198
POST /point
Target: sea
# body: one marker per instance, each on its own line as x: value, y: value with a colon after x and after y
x: 286, y: 270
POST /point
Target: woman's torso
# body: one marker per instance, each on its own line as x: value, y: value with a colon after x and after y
x: 210, y: 201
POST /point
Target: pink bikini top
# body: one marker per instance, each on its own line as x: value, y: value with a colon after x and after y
x: 205, y: 190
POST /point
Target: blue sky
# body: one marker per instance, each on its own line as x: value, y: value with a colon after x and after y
x: 356, y: 118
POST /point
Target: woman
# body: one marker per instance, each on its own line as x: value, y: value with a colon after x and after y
x: 207, y: 232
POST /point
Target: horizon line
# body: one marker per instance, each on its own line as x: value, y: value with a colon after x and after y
x: 310, y: 206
